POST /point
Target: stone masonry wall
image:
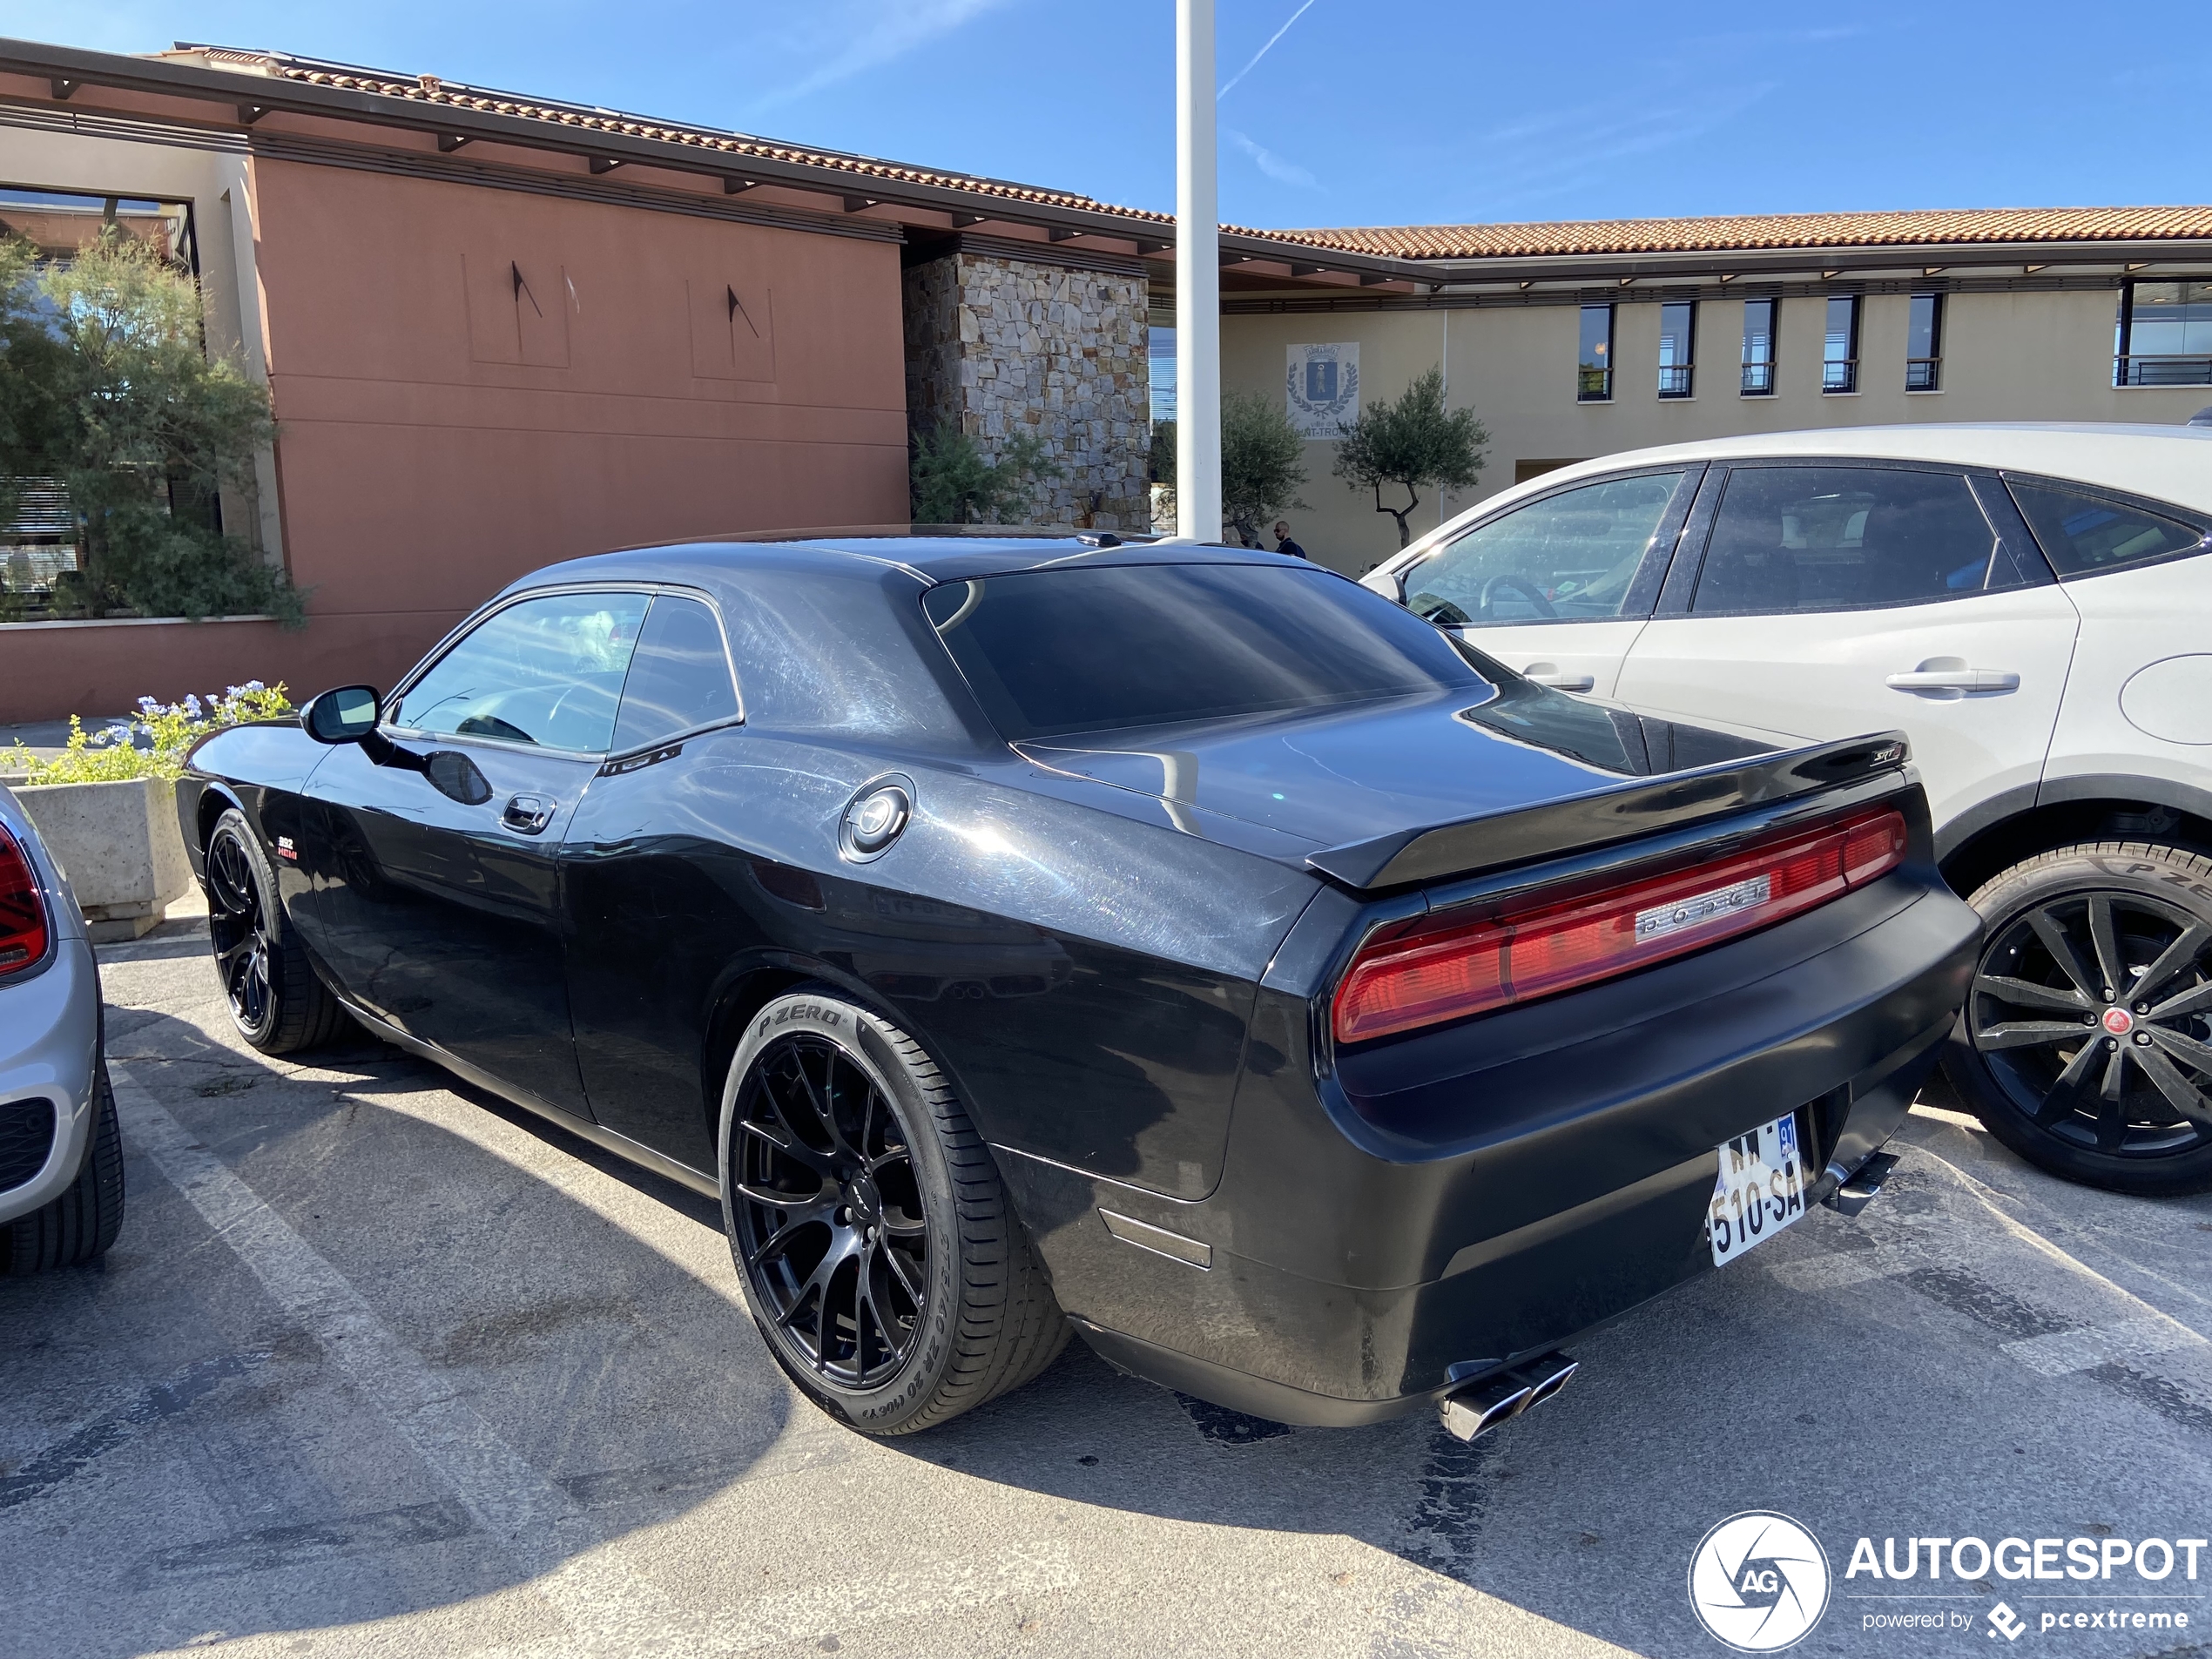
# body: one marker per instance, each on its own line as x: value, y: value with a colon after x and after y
x: 1003, y: 345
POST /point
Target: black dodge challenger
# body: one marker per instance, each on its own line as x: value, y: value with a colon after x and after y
x: 1176, y: 943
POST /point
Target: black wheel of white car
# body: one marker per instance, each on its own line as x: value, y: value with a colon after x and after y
x: 276, y: 1002
x: 2086, y: 1043
x: 883, y: 1263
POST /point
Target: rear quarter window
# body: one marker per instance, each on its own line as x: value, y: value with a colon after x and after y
x: 1053, y: 652
x: 2086, y: 532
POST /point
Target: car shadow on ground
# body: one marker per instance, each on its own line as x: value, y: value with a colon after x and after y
x: 182, y: 1453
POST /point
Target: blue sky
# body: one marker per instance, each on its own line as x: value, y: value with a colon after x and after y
x: 1358, y: 112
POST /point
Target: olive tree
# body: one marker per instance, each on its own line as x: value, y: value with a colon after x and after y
x: 1414, y: 443
x: 1262, y: 462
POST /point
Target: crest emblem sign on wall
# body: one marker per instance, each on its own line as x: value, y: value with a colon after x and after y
x: 1321, y: 384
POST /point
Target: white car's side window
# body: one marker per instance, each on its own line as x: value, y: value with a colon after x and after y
x: 1837, y: 539
x: 1571, y: 556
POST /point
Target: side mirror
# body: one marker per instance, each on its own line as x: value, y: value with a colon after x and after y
x: 346, y: 715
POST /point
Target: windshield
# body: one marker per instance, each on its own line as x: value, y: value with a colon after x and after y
x: 1051, y: 652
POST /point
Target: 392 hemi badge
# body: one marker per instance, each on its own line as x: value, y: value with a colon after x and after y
x: 1662, y: 919
x: 284, y: 848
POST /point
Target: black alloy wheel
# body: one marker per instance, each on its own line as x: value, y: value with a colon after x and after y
x: 2085, y: 1042
x: 276, y: 1002
x: 882, y: 1259
x: 237, y: 927
x: 831, y: 1225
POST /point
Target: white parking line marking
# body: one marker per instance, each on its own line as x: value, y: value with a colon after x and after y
x: 2062, y: 1351
x: 607, y: 1605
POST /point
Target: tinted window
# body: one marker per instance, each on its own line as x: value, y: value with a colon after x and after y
x: 1575, y: 554
x: 680, y: 677
x: 1825, y: 538
x: 1593, y: 363
x: 1058, y: 651
x: 547, y: 672
x: 1758, y: 346
x: 2084, y: 533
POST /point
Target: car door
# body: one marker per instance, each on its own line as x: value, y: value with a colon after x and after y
x: 1841, y: 597
x: 2140, y: 698
x: 659, y: 893
x: 1558, y: 588
x: 437, y: 876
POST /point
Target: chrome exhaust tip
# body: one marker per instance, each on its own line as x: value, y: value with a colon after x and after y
x: 1474, y: 1411
x: 1548, y: 1375
x: 1859, y: 1190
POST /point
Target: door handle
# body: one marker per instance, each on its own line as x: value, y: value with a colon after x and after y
x: 1550, y: 674
x: 528, y: 814
x: 1955, y: 679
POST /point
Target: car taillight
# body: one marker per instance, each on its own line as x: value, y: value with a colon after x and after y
x: 23, y: 909
x: 1434, y: 970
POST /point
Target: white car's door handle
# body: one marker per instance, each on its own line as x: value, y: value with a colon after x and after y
x: 1550, y: 674
x: 1955, y: 679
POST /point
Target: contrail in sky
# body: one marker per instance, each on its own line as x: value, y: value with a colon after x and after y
x: 1262, y: 51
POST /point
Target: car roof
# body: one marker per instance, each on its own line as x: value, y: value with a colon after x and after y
x: 2164, y: 463
x: 932, y: 558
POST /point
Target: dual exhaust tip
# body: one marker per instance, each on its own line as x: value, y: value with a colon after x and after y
x: 1474, y: 1411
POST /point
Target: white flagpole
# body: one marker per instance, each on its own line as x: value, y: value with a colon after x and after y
x: 1197, y: 279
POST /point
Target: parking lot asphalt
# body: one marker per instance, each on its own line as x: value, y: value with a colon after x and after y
x: 380, y: 1366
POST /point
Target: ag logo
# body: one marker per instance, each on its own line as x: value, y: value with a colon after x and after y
x: 1758, y: 1581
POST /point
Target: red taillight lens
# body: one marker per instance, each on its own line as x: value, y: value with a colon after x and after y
x: 1446, y: 971
x: 23, y: 910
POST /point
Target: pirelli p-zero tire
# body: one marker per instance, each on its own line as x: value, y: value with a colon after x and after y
x: 79, y: 1226
x: 2085, y: 1042
x: 276, y: 1002
x: 882, y: 1259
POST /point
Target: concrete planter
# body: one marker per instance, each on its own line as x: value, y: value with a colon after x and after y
x: 119, y: 845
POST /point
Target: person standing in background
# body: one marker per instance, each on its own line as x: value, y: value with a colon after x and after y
x: 1283, y: 542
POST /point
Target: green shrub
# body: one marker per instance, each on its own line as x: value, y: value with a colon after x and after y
x: 113, y: 754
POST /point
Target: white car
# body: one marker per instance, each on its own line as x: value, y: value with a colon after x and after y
x: 2031, y: 605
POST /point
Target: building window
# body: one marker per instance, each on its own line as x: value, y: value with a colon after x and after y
x: 1594, y: 370
x: 1924, y: 344
x: 1759, y: 319
x: 1839, y: 348
x: 1677, y: 348
x: 2165, y: 335
x: 40, y: 545
x: 1160, y: 359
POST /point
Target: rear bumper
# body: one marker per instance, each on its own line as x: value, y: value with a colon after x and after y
x: 49, y: 1071
x: 1458, y: 1201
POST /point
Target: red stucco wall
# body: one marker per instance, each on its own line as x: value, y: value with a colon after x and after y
x: 441, y: 433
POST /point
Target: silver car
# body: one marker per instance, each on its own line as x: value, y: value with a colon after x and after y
x: 61, y: 1152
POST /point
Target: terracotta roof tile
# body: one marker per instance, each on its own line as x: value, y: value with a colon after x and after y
x: 432, y: 89
x: 1765, y: 230
x: 1565, y: 237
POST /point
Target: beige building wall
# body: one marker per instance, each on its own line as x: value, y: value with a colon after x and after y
x: 2025, y: 356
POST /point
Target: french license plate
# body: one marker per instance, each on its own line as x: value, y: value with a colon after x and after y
x: 1760, y: 1192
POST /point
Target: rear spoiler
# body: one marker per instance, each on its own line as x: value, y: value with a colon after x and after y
x: 1620, y: 813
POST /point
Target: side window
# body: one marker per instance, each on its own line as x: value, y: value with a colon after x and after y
x: 680, y: 677
x: 2085, y: 533
x: 1833, y: 538
x: 547, y: 672
x: 1574, y: 554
